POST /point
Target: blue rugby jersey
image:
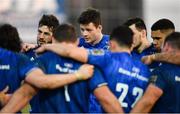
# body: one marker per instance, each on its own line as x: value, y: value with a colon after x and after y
x: 14, y: 67
x: 72, y: 98
x: 127, y: 78
x: 167, y: 78
x: 103, y: 44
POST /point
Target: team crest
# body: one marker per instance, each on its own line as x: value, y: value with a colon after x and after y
x: 153, y: 79
x: 97, y: 52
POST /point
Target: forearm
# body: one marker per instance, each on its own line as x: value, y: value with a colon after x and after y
x: 53, y: 81
x: 111, y: 105
x: 148, y: 100
x: 19, y: 99
x: 74, y: 52
x: 107, y: 100
x: 144, y: 106
x: 168, y: 57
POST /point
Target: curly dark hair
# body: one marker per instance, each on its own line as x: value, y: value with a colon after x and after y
x: 49, y: 20
x: 9, y: 38
x: 90, y: 15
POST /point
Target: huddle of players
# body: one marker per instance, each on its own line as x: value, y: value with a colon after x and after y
x: 118, y: 74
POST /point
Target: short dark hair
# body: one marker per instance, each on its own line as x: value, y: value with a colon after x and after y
x: 139, y: 23
x: 123, y: 35
x: 9, y: 38
x: 49, y: 20
x: 163, y: 24
x: 173, y: 39
x: 65, y: 32
x: 90, y: 15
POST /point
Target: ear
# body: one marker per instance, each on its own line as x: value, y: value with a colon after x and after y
x: 112, y: 44
x: 53, y: 39
x: 77, y: 42
x: 100, y: 27
x: 166, y: 47
x: 144, y: 33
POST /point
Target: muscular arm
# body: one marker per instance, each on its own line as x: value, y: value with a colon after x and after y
x: 168, y: 57
x: 107, y: 100
x: 40, y: 80
x: 74, y: 52
x: 148, y: 100
x: 20, y: 98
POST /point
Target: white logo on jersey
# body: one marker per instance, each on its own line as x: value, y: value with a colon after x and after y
x: 69, y: 65
x: 177, y: 78
x: 132, y: 74
x: 32, y: 59
x: 64, y: 69
x: 4, y: 67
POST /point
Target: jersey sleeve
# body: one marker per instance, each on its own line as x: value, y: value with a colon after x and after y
x: 25, y: 66
x: 97, y: 80
x: 98, y: 57
x: 41, y: 62
x: 158, y: 78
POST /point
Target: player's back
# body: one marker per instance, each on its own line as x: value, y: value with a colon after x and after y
x: 126, y: 78
x: 169, y: 81
x: 103, y: 44
x: 68, y: 99
x: 13, y: 69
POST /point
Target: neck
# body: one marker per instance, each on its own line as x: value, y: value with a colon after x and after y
x: 143, y: 46
x: 99, y: 38
x: 122, y: 49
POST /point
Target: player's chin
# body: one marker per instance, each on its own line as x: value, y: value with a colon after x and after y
x: 87, y: 41
x: 41, y: 43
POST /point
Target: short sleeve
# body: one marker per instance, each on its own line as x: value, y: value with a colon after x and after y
x: 98, y: 57
x: 25, y: 66
x: 97, y: 80
x: 158, y: 79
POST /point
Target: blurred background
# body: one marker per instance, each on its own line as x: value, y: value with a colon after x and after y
x: 25, y: 14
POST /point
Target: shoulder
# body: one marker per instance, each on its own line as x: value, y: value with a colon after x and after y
x: 98, y: 52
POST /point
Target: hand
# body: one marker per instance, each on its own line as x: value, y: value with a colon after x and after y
x: 41, y: 49
x: 148, y: 59
x: 4, y: 97
x: 85, y: 72
x: 26, y: 47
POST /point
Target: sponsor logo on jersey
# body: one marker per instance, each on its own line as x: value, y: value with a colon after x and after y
x: 177, y: 78
x: 4, y: 67
x: 64, y: 69
x: 132, y: 74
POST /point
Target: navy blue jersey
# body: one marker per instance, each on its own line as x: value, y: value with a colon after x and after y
x: 148, y: 51
x: 71, y: 98
x: 31, y: 54
x: 34, y: 101
x: 167, y: 78
x: 14, y: 68
x: 103, y: 44
x: 126, y: 77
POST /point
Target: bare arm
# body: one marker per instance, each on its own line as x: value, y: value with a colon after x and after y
x: 26, y: 47
x: 148, y: 100
x: 107, y: 100
x: 20, y: 98
x: 40, y: 80
x: 168, y: 57
x: 164, y: 57
x: 74, y: 52
x: 4, y: 96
